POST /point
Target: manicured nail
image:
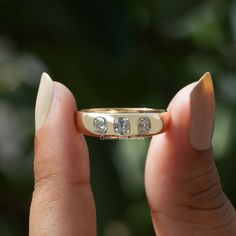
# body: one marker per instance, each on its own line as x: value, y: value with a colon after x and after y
x: 43, y: 101
x: 202, y: 113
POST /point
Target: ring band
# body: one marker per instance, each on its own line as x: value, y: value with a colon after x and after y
x: 122, y: 122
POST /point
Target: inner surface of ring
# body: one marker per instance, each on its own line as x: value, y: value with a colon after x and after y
x: 122, y: 110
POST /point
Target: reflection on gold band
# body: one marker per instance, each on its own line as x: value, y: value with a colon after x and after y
x: 123, y: 110
x: 122, y: 122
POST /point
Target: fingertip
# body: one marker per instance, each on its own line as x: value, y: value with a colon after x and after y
x: 180, y: 112
x: 64, y: 101
x: 62, y: 110
x: 59, y: 147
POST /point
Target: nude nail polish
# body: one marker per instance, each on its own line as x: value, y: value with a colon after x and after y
x: 43, y: 101
x: 202, y: 123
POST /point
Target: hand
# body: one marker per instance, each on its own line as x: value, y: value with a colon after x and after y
x: 182, y: 184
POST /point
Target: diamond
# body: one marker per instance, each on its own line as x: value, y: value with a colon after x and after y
x: 144, y: 125
x: 121, y: 125
x: 100, y: 125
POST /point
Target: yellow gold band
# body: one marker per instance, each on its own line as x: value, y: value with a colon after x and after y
x: 122, y: 122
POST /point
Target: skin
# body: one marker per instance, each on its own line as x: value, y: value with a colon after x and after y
x: 182, y: 184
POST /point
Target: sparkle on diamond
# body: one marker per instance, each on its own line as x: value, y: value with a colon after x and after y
x: 144, y: 125
x: 122, y: 126
x: 100, y: 125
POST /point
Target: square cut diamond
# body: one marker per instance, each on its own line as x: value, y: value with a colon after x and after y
x: 144, y: 125
x: 121, y: 125
x: 100, y: 125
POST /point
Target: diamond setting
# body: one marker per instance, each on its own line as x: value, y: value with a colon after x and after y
x: 100, y: 125
x: 144, y: 125
x: 121, y: 126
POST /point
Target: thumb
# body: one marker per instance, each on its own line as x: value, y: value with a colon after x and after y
x: 62, y: 202
x: 182, y: 183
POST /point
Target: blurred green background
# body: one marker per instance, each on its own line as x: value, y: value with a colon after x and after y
x: 110, y: 54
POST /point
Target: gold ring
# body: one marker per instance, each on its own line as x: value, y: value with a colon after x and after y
x: 122, y: 122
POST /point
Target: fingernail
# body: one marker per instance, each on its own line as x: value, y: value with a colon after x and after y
x: 43, y: 101
x: 202, y: 113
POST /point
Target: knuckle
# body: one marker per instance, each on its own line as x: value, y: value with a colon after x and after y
x: 204, y: 190
x: 204, y: 201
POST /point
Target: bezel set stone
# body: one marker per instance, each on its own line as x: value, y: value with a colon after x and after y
x: 121, y: 125
x: 144, y: 125
x: 100, y: 125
